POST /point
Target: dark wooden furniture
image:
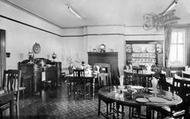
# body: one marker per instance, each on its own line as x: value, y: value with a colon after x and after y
x: 142, y: 55
x: 8, y: 99
x: 124, y: 97
x: 32, y: 74
x: 109, y: 112
x: 142, y: 79
x: 109, y: 58
x: 104, y: 75
x: 83, y: 83
x: 11, y: 83
x: 78, y: 73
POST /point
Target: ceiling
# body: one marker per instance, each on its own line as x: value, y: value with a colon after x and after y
x: 101, y: 12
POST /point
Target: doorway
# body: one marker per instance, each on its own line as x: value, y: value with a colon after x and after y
x: 2, y: 54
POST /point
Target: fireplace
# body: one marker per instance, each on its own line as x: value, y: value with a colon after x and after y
x: 109, y: 58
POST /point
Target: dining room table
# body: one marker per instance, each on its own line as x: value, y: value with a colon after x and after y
x: 7, y: 98
x: 138, y: 95
x: 90, y: 77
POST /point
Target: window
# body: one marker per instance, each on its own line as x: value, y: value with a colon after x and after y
x: 177, y: 48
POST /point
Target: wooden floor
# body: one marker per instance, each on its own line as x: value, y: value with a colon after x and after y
x: 55, y: 104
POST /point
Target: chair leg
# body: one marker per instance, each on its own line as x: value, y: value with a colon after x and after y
x: 99, y: 103
x: 1, y: 115
x: 17, y: 111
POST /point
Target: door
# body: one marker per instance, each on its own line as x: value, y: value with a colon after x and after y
x: 2, y: 55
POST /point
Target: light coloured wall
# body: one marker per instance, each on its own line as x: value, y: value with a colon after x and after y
x: 20, y: 38
x: 20, y: 15
x: 85, y: 39
x: 111, y: 36
x: 74, y: 43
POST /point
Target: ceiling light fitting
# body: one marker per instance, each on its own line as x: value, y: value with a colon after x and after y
x: 74, y: 12
x: 171, y: 6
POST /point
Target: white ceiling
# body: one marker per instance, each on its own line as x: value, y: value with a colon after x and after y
x: 101, y: 12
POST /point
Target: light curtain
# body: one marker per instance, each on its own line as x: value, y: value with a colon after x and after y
x: 167, y: 32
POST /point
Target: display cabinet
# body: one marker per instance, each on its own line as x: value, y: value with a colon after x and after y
x: 144, y: 53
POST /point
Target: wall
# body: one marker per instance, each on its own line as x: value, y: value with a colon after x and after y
x: 66, y: 43
x: 79, y: 41
x: 20, y: 38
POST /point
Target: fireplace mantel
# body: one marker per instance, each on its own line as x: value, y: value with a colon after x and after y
x: 106, y: 57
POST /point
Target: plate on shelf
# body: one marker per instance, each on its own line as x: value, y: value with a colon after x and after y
x: 142, y: 100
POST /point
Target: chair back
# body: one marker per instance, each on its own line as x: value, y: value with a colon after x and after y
x: 128, y: 78
x: 78, y: 73
x: 162, y: 82
x: 11, y: 81
x: 104, y: 67
x: 105, y: 72
x: 177, y: 85
x: 145, y: 80
x: 186, y: 87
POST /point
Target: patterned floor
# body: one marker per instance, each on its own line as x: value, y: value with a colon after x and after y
x: 55, y: 104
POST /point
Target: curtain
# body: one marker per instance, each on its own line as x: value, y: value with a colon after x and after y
x: 167, y: 32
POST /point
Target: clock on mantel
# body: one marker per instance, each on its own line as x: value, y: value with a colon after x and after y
x: 102, y: 48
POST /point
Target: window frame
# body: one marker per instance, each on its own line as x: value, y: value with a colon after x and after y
x: 183, y: 30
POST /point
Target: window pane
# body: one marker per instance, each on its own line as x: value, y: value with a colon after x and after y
x: 177, y: 48
x: 174, y: 37
x: 180, y: 37
x: 180, y: 54
x: 173, y: 50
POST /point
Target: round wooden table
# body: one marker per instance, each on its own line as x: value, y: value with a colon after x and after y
x: 138, y: 95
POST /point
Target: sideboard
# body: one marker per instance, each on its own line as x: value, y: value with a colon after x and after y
x: 32, y: 74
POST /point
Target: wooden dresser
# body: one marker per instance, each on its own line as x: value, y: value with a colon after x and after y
x: 32, y: 74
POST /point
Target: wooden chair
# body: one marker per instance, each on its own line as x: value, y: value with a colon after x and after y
x: 128, y: 78
x: 80, y: 84
x: 178, y: 111
x: 105, y: 74
x: 162, y: 82
x: 78, y: 73
x: 145, y: 80
x: 11, y: 82
x: 185, y: 94
x: 163, y: 113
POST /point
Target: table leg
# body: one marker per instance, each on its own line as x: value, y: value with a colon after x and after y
x: 93, y: 87
x: 148, y: 112
x: 99, y: 103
